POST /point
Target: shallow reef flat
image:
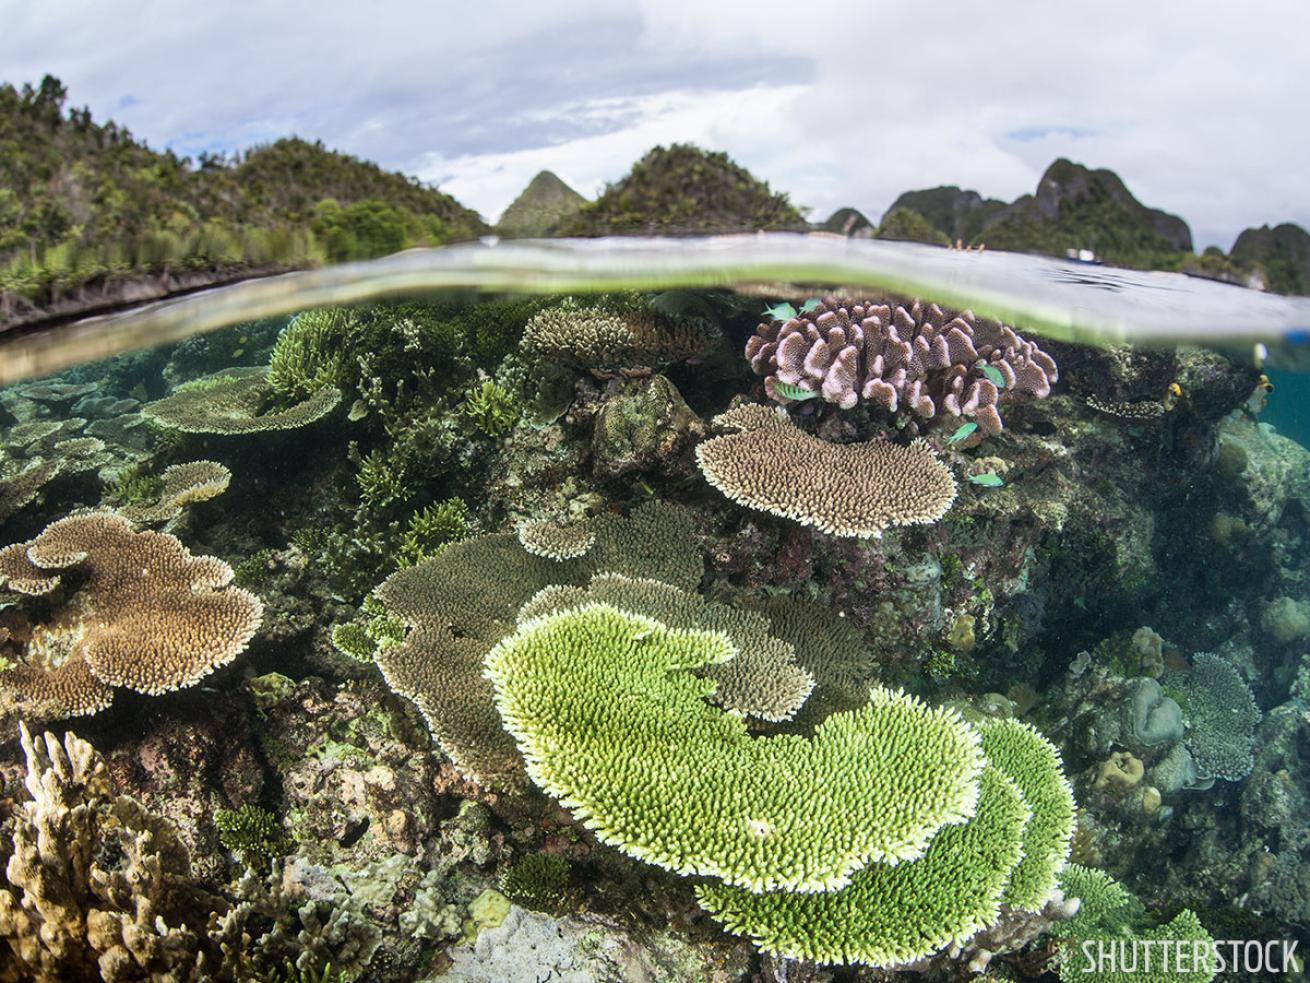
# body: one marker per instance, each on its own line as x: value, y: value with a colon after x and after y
x: 661, y: 636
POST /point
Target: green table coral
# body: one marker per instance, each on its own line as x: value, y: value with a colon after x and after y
x: 612, y: 721
x: 893, y: 914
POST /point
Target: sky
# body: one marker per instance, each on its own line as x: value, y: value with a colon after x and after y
x: 1198, y: 106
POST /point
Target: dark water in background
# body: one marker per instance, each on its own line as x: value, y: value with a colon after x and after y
x: 1288, y: 410
x: 1118, y: 546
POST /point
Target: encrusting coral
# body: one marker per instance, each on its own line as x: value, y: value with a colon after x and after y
x: 612, y: 337
x: 613, y: 723
x: 237, y: 401
x: 146, y: 615
x: 843, y: 489
x: 913, y: 357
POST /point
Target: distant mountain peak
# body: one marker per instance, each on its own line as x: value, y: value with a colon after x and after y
x: 540, y: 207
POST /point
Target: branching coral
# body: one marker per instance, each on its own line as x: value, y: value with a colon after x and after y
x: 490, y: 408
x: 147, y: 615
x: 237, y: 401
x: 612, y: 722
x: 432, y: 527
x: 308, y: 355
x: 842, y: 489
x: 915, y: 358
x: 618, y: 335
x: 97, y: 888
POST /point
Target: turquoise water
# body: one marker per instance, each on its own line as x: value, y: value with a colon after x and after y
x: 484, y: 634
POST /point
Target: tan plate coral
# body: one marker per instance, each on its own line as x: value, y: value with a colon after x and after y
x: 145, y: 614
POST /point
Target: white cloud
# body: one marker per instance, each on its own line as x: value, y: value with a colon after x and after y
x: 839, y: 102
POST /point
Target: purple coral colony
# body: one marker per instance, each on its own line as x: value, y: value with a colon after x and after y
x: 911, y: 358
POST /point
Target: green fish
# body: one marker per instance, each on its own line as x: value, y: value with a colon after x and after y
x: 795, y: 393
x: 987, y: 480
x: 780, y: 312
x: 810, y: 304
x: 964, y: 431
x: 993, y: 375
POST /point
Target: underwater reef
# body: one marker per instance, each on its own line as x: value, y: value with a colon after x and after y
x: 662, y: 637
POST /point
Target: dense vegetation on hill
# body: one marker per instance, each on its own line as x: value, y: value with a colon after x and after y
x: 958, y: 215
x: 1079, y: 208
x: 680, y: 190
x: 1281, y: 254
x: 82, y: 202
x: 539, y: 208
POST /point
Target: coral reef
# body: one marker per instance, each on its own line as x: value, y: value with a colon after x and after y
x: 841, y: 489
x: 137, y: 585
x: 893, y: 772
x: 236, y: 401
x: 612, y: 336
x: 915, y: 358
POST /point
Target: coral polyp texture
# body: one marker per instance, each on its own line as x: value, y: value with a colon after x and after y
x: 843, y: 489
x: 145, y: 615
x: 614, y: 336
x: 612, y: 721
x: 237, y: 401
x: 1034, y: 764
x: 913, y: 357
x: 762, y: 681
x: 893, y: 914
x: 554, y: 541
x: 1006, y: 859
x: 181, y: 485
x: 463, y: 600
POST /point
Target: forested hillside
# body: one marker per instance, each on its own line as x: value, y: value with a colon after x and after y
x: 86, y: 203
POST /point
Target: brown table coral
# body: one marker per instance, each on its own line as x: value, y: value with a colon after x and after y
x: 143, y: 613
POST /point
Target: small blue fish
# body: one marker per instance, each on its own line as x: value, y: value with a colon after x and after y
x: 780, y: 312
x: 993, y: 375
x: 810, y: 304
x: 964, y: 431
x: 795, y: 393
x: 987, y: 480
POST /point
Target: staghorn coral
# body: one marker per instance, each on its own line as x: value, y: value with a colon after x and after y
x: 841, y: 489
x: 432, y: 527
x: 236, y: 401
x: 1223, y: 714
x: 179, y: 486
x: 762, y: 681
x: 553, y: 541
x: 147, y: 615
x: 490, y: 408
x: 611, y: 721
x: 916, y: 358
x: 612, y: 336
